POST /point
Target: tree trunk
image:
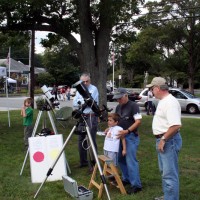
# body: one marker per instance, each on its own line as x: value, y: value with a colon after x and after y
x: 95, y: 45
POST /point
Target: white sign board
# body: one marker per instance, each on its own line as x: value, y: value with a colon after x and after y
x: 43, y: 153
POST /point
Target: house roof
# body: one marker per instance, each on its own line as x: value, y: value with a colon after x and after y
x: 19, y: 67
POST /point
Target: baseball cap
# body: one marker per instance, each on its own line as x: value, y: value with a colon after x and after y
x: 120, y: 93
x: 158, y: 81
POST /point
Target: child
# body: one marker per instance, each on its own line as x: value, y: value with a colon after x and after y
x: 111, y: 143
x: 27, y: 113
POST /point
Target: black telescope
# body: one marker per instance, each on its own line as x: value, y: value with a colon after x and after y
x: 89, y: 101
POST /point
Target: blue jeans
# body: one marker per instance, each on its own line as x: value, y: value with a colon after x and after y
x: 129, y: 164
x: 168, y: 166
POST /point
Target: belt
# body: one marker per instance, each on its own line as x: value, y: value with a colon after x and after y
x: 159, y: 136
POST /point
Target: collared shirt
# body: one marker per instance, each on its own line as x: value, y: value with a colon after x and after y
x: 78, y: 98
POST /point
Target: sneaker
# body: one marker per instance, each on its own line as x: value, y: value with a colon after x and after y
x: 159, y: 198
x: 134, y: 190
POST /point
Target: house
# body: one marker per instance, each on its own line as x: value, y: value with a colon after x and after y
x: 19, y: 71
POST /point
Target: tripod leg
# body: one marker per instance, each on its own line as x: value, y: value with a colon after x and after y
x: 97, y: 162
x: 52, y: 123
x: 56, y: 160
x: 33, y: 134
x: 37, y: 123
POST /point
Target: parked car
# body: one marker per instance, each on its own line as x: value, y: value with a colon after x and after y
x: 133, y: 96
x: 188, y: 101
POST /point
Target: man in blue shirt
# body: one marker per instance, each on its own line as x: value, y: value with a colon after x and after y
x: 91, y: 118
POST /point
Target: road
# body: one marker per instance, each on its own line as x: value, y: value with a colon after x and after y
x: 15, y: 103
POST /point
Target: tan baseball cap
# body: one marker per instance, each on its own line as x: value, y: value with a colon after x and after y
x: 158, y: 81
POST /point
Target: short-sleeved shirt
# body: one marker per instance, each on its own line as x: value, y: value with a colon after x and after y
x: 111, y: 142
x: 28, y: 120
x: 168, y: 113
x: 128, y: 112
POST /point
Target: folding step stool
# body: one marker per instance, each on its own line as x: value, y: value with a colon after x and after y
x: 109, y: 170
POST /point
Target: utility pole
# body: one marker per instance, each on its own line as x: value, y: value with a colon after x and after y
x: 32, y: 71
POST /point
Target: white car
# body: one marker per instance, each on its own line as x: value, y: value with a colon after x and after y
x: 188, y: 101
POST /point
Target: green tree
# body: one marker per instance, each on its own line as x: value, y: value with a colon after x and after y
x: 19, y: 43
x: 92, y: 20
x: 177, y: 26
x: 45, y: 79
x: 62, y: 63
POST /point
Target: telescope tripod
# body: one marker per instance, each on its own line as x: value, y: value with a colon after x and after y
x: 103, y: 179
x: 45, y: 110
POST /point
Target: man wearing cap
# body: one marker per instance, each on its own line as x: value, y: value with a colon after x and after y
x: 166, y: 126
x: 130, y: 119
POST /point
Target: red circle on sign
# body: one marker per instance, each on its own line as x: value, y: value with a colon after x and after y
x: 38, y: 156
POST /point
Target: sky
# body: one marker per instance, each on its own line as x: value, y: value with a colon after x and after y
x: 38, y: 36
x: 43, y: 34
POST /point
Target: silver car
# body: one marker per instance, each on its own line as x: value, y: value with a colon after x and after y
x: 188, y: 101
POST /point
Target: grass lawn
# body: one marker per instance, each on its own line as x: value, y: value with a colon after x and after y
x: 12, y: 153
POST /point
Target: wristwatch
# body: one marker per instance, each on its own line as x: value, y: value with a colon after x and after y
x: 163, y: 138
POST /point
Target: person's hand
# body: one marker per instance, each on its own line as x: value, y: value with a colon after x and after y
x: 22, y: 110
x: 123, y: 152
x: 161, y: 145
x: 106, y: 131
x: 121, y: 133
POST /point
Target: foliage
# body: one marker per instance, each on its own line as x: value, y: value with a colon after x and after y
x: 19, y: 43
x: 2, y: 82
x: 62, y: 63
x: 18, y: 187
x: 169, y: 40
x: 94, y: 21
x: 40, y: 101
x: 45, y: 79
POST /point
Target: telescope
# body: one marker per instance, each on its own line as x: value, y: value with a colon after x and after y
x: 89, y: 101
x: 49, y: 97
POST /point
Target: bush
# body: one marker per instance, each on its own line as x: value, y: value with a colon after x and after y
x: 40, y: 101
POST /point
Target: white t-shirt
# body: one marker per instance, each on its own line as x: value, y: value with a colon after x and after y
x: 111, y: 142
x: 168, y: 113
